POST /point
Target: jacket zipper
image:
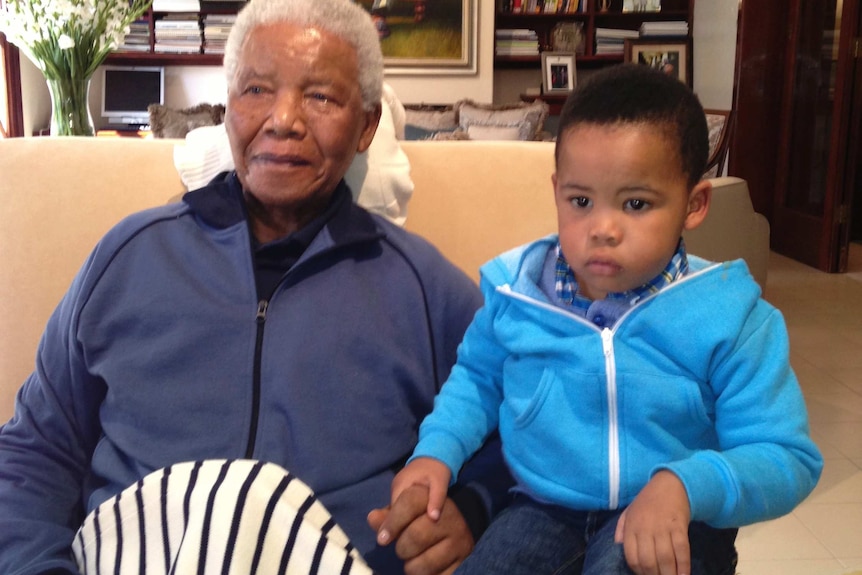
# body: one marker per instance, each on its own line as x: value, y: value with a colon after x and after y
x: 260, y: 319
x: 607, y: 335
x: 613, y: 420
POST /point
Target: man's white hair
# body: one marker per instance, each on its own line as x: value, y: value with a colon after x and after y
x: 342, y: 18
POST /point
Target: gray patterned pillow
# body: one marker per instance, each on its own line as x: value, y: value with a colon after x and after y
x: 528, y: 118
x: 172, y: 123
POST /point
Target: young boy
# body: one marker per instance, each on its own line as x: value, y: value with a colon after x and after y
x: 644, y: 396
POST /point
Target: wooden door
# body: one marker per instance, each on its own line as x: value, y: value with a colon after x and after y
x: 810, y: 215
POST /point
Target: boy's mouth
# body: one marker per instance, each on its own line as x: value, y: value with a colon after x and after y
x: 603, y: 267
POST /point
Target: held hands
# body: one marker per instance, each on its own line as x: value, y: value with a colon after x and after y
x: 428, y: 472
x: 654, y: 528
x: 427, y: 546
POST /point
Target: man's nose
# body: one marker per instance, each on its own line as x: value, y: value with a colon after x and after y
x: 288, y: 115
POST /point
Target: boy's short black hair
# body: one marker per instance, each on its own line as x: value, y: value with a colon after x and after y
x: 634, y: 93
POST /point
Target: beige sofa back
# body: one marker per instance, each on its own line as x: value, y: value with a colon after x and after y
x: 473, y: 200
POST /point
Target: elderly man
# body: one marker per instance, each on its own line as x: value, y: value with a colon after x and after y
x: 264, y: 317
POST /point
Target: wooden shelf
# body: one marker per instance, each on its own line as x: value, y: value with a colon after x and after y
x: 160, y: 59
x: 554, y: 101
x: 592, y: 18
x: 153, y: 58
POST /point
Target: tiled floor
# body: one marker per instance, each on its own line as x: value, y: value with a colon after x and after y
x: 823, y: 536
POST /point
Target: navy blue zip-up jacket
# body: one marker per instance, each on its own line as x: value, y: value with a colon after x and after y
x: 161, y: 352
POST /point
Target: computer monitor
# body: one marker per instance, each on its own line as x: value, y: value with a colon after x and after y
x: 127, y: 91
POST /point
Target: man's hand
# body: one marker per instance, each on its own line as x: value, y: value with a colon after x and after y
x: 427, y: 547
x: 654, y: 528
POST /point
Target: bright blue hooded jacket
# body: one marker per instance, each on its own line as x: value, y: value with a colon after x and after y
x: 161, y: 352
x: 695, y: 379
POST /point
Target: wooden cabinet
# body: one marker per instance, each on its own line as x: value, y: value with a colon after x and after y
x: 152, y: 57
x: 592, y: 17
x: 798, y: 131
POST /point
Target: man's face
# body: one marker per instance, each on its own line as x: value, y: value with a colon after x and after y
x: 295, y: 118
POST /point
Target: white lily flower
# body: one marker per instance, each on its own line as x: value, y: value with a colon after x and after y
x: 65, y: 42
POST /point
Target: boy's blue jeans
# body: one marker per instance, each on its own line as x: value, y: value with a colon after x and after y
x: 530, y: 538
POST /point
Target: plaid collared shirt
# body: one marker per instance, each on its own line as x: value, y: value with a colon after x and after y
x: 567, y: 285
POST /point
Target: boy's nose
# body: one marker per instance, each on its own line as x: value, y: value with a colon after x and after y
x: 606, y: 230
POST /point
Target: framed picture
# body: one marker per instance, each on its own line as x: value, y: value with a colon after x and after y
x: 673, y: 57
x: 559, y: 74
x: 420, y: 37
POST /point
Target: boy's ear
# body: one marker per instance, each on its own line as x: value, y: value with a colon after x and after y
x: 698, y: 204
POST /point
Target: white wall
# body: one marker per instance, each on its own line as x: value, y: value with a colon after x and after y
x: 714, y: 51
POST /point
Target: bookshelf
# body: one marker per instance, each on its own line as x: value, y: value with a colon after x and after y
x: 590, y: 15
x: 152, y: 56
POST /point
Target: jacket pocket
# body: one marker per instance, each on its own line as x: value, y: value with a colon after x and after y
x: 532, y: 408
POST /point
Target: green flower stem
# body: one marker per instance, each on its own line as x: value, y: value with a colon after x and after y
x: 70, y: 110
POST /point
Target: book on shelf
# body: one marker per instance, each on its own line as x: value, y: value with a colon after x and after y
x: 673, y: 28
x: 516, y: 33
x: 176, y: 6
x: 616, y: 33
x: 612, y: 40
x: 222, y: 5
x: 516, y: 42
x: 137, y: 39
x: 541, y: 6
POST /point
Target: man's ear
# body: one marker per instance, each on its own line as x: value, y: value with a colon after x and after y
x: 372, y: 118
x: 698, y: 204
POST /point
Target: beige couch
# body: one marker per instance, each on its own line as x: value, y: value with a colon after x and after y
x: 472, y: 199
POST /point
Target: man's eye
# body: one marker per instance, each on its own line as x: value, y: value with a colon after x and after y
x: 318, y: 97
x: 636, y: 205
x: 254, y: 90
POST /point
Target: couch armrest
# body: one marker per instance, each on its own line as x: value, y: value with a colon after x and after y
x: 732, y: 229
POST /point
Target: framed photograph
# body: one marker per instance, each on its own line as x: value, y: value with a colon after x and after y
x: 673, y: 57
x: 423, y: 37
x: 559, y: 75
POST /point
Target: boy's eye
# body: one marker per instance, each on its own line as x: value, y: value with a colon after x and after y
x: 636, y: 205
x: 580, y: 202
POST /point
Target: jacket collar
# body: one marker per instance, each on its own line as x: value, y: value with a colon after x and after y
x: 220, y: 204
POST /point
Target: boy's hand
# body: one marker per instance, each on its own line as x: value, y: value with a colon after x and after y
x: 428, y: 472
x: 654, y: 528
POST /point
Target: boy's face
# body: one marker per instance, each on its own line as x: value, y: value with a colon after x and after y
x: 622, y: 204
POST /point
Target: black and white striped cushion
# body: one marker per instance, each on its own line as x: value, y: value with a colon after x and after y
x: 222, y: 517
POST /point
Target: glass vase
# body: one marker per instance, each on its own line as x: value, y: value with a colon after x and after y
x: 70, y: 107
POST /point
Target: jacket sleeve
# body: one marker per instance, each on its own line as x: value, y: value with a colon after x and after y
x: 483, y: 485
x: 45, y: 451
x: 766, y: 463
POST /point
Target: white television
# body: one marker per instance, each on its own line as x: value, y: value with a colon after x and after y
x: 127, y: 91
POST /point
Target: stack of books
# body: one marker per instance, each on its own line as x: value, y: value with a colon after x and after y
x: 612, y: 40
x: 138, y: 37
x: 517, y: 42
x: 675, y: 28
x: 178, y: 34
x: 216, y: 30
